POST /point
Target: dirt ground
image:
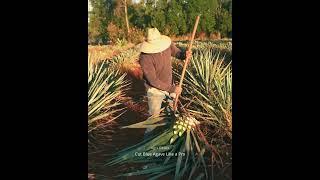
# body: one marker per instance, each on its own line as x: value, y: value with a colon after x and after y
x: 112, y: 139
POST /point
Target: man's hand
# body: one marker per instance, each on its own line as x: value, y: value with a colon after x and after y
x: 188, y: 54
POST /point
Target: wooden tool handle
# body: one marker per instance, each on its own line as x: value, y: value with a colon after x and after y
x: 186, y: 61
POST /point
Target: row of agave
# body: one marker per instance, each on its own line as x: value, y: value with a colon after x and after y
x: 217, y: 44
x: 195, y: 140
x: 108, y: 51
x: 127, y: 61
x: 105, y: 86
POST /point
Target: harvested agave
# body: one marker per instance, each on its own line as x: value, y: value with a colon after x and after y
x: 173, y: 138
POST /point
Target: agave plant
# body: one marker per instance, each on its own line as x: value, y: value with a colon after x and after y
x: 209, y: 81
x: 201, y: 130
x: 127, y: 62
x: 104, y: 87
x: 216, y: 46
x: 108, y: 51
x: 208, y: 97
x: 176, y: 150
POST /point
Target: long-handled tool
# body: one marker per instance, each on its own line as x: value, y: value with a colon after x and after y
x: 186, y: 62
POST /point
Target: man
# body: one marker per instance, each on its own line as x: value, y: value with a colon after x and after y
x: 155, y: 61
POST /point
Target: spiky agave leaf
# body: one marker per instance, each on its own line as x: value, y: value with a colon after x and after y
x: 153, y: 121
x: 209, y: 81
x: 208, y: 90
x: 126, y: 60
x: 180, y: 163
x: 224, y: 46
x: 104, y: 86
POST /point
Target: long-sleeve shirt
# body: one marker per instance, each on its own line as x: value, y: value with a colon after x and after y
x: 157, y: 68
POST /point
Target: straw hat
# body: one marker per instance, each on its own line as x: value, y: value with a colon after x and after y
x: 155, y: 42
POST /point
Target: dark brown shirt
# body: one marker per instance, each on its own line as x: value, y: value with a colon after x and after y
x: 157, y: 68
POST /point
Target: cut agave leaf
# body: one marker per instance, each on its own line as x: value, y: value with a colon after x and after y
x: 173, y: 139
x: 180, y: 133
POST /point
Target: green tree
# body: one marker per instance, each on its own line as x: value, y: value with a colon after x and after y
x: 224, y: 18
x: 207, y: 9
x: 138, y: 16
x: 224, y: 23
x: 156, y: 14
x: 98, y: 20
x: 227, y: 5
x: 176, y: 18
x: 171, y: 17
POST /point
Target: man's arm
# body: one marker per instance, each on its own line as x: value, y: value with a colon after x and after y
x: 150, y: 74
x: 177, y: 53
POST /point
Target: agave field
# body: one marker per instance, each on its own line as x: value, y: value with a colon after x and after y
x: 193, y: 143
x: 108, y: 51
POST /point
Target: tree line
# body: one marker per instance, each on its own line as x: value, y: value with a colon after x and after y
x: 111, y: 20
